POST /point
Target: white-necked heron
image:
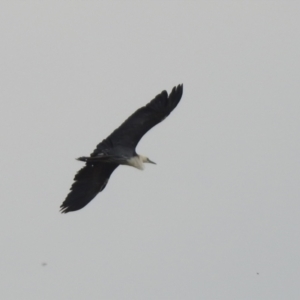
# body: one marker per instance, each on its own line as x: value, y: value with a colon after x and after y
x: 119, y: 149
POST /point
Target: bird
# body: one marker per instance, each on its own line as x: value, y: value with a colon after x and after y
x: 118, y: 149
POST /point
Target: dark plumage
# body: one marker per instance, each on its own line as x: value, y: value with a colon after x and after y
x: 118, y: 149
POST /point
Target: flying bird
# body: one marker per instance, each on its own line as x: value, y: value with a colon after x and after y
x: 118, y: 149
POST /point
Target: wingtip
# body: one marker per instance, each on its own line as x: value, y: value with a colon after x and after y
x: 63, y: 209
x: 178, y: 89
x: 180, y: 86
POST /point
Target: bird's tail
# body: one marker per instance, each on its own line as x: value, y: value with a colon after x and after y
x: 88, y: 159
x: 102, y: 158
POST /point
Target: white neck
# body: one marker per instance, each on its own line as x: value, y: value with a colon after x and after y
x: 136, y: 162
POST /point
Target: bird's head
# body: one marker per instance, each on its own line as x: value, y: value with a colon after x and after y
x: 146, y: 160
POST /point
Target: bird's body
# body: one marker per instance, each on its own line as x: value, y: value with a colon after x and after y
x: 118, y: 149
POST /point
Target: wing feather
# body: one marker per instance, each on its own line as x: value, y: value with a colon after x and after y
x: 146, y: 117
x: 88, y: 182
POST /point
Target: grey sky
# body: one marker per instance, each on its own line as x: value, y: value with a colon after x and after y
x: 218, y: 217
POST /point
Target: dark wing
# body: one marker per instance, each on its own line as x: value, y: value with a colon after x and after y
x: 133, y: 129
x: 89, y: 181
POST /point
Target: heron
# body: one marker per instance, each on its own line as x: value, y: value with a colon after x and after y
x: 118, y: 149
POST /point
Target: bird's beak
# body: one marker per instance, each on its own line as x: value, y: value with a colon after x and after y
x: 150, y: 161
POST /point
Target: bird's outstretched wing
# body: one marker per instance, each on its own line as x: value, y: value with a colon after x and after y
x: 133, y: 129
x: 89, y: 181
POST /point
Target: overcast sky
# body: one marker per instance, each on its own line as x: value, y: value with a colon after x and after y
x: 218, y: 216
